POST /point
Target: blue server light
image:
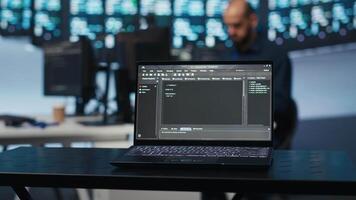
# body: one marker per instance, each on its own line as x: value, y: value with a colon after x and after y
x: 299, y: 24
x: 121, y: 7
x: 86, y: 19
x: 47, y: 21
x: 215, y: 8
x: 15, y: 17
x: 215, y: 32
x: 189, y: 8
x: 186, y: 31
x: 120, y: 16
x: 157, y: 7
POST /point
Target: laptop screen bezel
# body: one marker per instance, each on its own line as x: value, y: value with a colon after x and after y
x: 264, y: 143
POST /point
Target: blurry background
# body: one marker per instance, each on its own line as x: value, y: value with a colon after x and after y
x: 322, y: 77
x: 320, y: 36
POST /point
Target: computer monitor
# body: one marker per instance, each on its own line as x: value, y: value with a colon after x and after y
x: 148, y: 45
x: 158, y: 10
x: 120, y: 16
x: 15, y: 17
x: 145, y: 45
x: 69, y: 69
x: 86, y: 18
x: 307, y: 24
x: 48, y: 21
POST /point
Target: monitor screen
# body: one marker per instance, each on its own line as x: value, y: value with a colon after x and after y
x: 215, y: 8
x: 305, y: 24
x: 120, y: 16
x: 144, y: 45
x: 15, y: 17
x: 69, y: 69
x: 216, y: 33
x: 188, y: 23
x: 208, y: 102
x: 199, y: 23
x: 188, y: 8
x: 289, y: 24
x: 161, y: 11
x: 188, y: 31
x: 47, y: 21
x: 157, y: 7
x: 86, y: 19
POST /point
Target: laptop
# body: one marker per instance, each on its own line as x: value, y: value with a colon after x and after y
x: 205, y: 114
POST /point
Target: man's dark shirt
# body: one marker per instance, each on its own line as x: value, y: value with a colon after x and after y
x: 282, y: 73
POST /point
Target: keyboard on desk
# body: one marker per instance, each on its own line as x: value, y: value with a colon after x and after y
x: 199, y: 151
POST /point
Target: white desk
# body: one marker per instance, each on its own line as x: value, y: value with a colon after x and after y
x: 65, y: 133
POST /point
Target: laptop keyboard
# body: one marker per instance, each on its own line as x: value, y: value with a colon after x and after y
x: 199, y: 151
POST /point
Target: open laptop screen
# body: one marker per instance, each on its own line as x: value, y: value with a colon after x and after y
x: 206, y: 102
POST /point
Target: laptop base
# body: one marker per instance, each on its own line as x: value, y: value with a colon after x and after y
x: 189, y: 161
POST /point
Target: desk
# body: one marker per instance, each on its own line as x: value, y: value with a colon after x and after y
x: 294, y: 172
x: 66, y: 133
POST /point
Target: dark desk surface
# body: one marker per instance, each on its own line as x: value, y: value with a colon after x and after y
x: 307, y: 172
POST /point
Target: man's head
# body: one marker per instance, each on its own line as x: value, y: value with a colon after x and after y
x: 241, y: 22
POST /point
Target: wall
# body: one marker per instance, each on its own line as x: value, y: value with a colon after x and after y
x: 21, y: 78
x: 324, y: 82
